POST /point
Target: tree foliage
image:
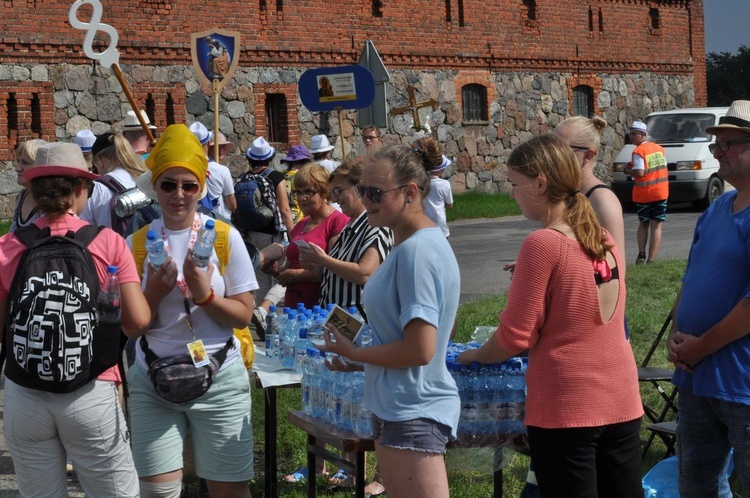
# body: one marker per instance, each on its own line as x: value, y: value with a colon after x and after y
x: 728, y: 76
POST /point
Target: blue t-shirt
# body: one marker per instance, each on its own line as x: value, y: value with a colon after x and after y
x: 716, y: 279
x: 418, y: 279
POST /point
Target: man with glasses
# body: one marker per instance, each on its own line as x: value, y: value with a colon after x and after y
x: 372, y: 138
x: 710, y: 341
x: 651, y: 190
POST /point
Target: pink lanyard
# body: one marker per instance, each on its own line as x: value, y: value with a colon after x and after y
x: 191, y: 242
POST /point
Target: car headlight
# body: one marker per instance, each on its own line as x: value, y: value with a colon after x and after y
x: 619, y: 166
x: 687, y: 165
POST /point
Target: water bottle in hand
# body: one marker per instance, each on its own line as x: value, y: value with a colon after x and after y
x: 108, y: 302
x: 204, y: 244
x: 156, y: 249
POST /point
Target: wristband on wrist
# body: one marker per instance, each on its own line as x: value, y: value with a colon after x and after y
x: 206, y: 300
x: 354, y: 352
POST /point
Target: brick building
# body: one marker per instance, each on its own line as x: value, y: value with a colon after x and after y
x: 500, y: 71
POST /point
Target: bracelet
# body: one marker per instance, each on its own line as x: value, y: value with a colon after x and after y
x: 354, y: 353
x: 207, y: 300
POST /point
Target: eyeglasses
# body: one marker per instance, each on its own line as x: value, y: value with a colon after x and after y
x: 308, y: 192
x: 374, y: 193
x: 579, y: 147
x: 724, y: 145
x: 337, y: 190
x: 370, y: 138
x: 189, y: 188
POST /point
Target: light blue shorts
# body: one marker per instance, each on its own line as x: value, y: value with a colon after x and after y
x: 219, y: 422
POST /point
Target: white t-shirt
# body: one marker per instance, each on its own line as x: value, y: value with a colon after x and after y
x: 434, y: 204
x: 328, y: 164
x: 97, y: 210
x: 169, y: 333
x: 219, y: 183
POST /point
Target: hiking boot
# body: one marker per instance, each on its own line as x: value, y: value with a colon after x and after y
x: 641, y: 258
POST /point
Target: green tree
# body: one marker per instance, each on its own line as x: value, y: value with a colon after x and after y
x: 727, y: 76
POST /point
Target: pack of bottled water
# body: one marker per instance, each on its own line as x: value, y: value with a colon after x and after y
x: 493, y: 396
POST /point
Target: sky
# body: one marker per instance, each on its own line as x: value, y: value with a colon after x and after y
x: 726, y: 25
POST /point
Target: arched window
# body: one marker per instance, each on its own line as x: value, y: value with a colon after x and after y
x: 583, y: 101
x: 474, y: 98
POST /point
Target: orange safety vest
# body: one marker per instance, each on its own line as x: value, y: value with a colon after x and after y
x: 654, y: 185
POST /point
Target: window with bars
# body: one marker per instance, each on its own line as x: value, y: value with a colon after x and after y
x: 654, y: 15
x: 276, y: 118
x: 583, y: 101
x: 474, y: 98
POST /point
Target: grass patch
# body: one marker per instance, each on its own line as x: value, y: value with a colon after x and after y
x: 651, y: 292
x: 472, y: 205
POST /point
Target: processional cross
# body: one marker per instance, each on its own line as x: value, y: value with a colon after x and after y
x: 414, y: 107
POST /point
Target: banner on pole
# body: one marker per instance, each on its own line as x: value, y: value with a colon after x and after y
x: 215, y: 55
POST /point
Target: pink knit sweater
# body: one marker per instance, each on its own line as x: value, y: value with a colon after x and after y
x: 581, y: 372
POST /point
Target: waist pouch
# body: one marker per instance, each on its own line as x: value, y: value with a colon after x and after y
x: 176, y: 379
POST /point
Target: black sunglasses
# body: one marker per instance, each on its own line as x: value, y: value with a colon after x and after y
x: 189, y: 188
x: 374, y: 193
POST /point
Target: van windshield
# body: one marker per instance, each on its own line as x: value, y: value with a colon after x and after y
x: 680, y: 127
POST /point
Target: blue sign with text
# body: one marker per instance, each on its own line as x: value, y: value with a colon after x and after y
x: 346, y: 87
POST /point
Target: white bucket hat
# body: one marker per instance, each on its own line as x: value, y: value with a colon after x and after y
x: 446, y: 162
x: 201, y: 133
x: 85, y: 140
x: 639, y: 126
x: 131, y: 122
x: 320, y: 143
x: 260, y: 150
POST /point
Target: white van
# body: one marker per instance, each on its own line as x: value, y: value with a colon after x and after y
x: 692, y: 168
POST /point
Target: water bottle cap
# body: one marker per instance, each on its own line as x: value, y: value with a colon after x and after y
x: 111, y: 269
x: 151, y: 235
x: 272, y: 308
x: 210, y: 223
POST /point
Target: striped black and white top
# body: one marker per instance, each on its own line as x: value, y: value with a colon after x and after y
x: 354, y: 240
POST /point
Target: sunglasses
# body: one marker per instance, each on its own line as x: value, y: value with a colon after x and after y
x: 579, y: 147
x: 337, y: 190
x: 189, y: 188
x: 309, y: 192
x: 724, y: 145
x: 374, y: 193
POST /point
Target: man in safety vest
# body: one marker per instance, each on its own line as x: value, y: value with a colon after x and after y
x: 651, y: 189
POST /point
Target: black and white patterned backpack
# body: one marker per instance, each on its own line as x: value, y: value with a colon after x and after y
x: 53, y: 337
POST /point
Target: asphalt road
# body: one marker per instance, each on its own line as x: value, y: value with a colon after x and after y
x: 484, y: 247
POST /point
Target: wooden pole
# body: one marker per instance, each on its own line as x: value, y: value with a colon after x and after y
x: 341, y: 133
x: 133, y: 104
x: 216, y: 118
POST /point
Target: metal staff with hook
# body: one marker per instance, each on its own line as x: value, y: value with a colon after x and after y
x: 108, y: 58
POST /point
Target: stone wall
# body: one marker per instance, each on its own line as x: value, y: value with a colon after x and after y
x: 523, y: 104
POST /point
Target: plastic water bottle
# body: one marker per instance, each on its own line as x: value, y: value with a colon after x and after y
x: 272, y: 332
x: 362, y: 417
x: 156, y: 248
x: 289, y: 337
x: 301, y: 345
x: 315, y: 334
x: 108, y: 302
x: 204, y: 244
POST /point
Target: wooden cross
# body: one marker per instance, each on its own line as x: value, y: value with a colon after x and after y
x: 414, y: 107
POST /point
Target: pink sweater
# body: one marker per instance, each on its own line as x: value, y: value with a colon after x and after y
x: 581, y: 372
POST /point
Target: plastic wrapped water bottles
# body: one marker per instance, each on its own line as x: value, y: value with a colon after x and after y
x: 156, y: 249
x: 288, y: 339
x: 204, y: 244
x: 108, y: 301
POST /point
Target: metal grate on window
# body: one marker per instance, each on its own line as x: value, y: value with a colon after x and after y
x: 583, y: 101
x: 474, y: 102
x: 276, y: 118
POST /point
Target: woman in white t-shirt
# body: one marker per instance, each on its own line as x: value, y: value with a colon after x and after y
x: 191, y: 305
x: 120, y: 162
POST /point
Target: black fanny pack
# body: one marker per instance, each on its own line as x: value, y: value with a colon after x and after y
x: 176, y: 378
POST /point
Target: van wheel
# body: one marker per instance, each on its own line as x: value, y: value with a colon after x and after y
x: 715, y: 189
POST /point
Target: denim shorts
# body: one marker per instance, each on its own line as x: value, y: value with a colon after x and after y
x: 421, y: 434
x: 652, y: 211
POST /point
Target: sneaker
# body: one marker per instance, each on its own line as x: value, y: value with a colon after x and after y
x: 641, y: 258
x: 259, y: 322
